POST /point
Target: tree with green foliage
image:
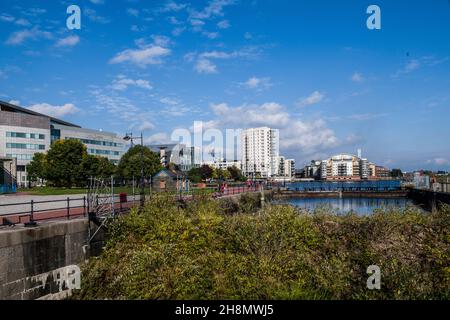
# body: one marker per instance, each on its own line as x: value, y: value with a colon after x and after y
x: 37, y: 168
x: 95, y: 166
x: 236, y: 174
x: 221, y: 174
x: 64, y: 162
x: 130, y: 164
x: 195, y: 175
x: 206, y: 172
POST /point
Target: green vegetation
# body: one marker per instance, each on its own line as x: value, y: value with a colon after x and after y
x: 205, y: 173
x: 234, y: 250
x: 67, y: 164
x: 130, y: 163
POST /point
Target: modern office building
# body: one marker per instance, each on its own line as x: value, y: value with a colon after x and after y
x: 24, y: 132
x: 260, y: 152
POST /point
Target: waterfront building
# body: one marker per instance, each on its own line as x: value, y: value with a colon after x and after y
x: 289, y: 168
x: 24, y: 132
x: 260, y: 152
x: 281, y: 169
x: 345, y: 167
x: 286, y: 167
x: 421, y: 180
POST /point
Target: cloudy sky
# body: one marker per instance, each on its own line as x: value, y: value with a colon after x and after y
x: 310, y: 68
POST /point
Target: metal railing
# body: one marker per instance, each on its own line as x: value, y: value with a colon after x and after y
x: 33, y: 211
x: 30, y: 212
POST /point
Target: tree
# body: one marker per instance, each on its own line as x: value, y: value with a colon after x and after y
x: 95, y: 166
x: 206, y: 172
x: 37, y: 167
x: 396, y: 173
x: 221, y: 174
x: 130, y: 164
x: 64, y: 162
x: 236, y: 174
x: 195, y: 175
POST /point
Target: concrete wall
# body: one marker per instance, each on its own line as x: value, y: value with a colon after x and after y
x: 29, y: 258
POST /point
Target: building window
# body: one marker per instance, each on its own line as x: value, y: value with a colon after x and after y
x: 97, y: 142
x: 23, y: 157
x: 28, y: 146
x: 24, y: 135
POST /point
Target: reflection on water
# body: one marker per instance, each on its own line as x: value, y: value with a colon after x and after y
x: 362, y: 206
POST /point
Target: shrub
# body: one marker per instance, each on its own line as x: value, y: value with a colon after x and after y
x: 197, y: 252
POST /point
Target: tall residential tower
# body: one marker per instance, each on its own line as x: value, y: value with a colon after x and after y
x: 260, y: 152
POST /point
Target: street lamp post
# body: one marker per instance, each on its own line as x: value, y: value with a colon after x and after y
x: 129, y: 137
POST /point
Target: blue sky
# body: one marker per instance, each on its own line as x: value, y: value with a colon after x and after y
x: 311, y: 68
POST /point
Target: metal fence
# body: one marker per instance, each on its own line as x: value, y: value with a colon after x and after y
x: 33, y: 211
x: 68, y: 208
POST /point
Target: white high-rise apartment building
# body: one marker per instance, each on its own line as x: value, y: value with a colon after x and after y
x: 260, y: 152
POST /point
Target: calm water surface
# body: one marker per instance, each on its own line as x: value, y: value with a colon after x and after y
x: 362, y: 206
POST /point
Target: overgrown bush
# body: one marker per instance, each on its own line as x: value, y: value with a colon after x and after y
x: 197, y: 252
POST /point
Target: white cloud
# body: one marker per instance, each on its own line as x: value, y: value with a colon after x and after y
x: 224, y: 24
x: 213, y: 9
x: 178, y: 31
x: 92, y: 15
x: 119, y: 106
x: 133, y: 12
x: 23, y: 22
x: 97, y: 1
x: 158, y: 138
x: 169, y: 101
x: 314, y: 98
x: 410, y: 66
x: 6, y: 18
x: 257, y: 84
x: 307, y: 137
x: 122, y: 83
x: 173, y: 6
x: 211, y: 35
x: 205, y: 66
x: 296, y: 136
x: 268, y: 114
x: 357, y: 77
x: 69, y: 41
x: 145, y: 126
x: 15, y: 102
x: 439, y: 161
x: 19, y: 37
x: 55, y: 111
x: 142, y: 57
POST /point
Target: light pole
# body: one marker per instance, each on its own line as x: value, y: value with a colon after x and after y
x: 129, y: 137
